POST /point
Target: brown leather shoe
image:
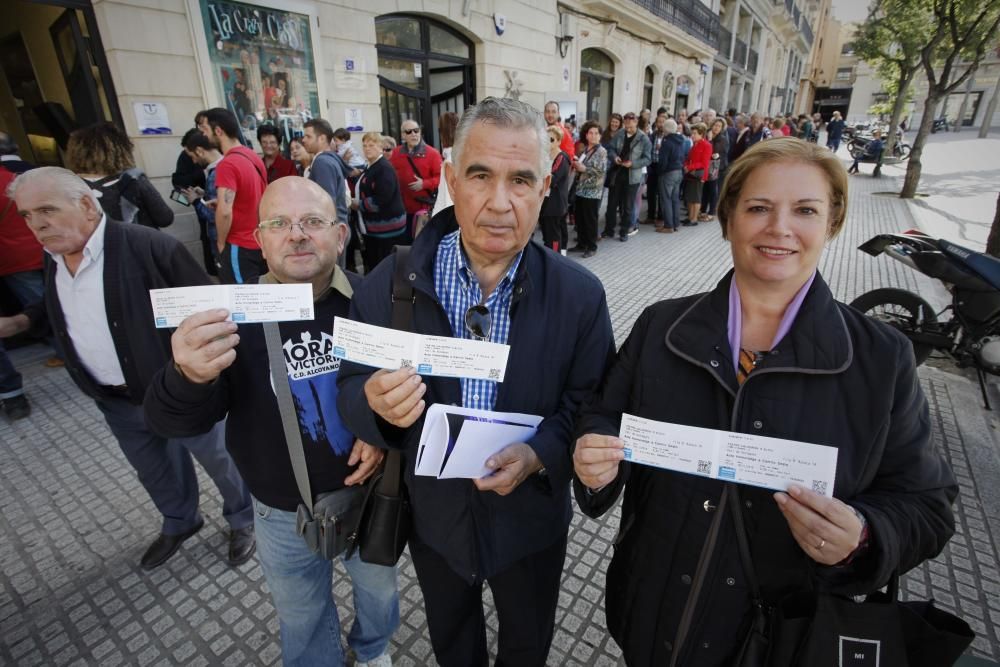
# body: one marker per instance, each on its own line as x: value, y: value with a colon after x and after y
x: 54, y: 362
x: 664, y: 230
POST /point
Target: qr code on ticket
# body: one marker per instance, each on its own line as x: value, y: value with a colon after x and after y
x: 405, y: 363
x: 494, y: 374
x: 704, y: 467
x: 304, y: 313
x: 819, y: 487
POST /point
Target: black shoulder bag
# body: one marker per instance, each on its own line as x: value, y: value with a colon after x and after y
x: 814, y: 629
x: 384, y: 526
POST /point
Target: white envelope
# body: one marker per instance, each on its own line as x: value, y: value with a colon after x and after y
x: 456, y: 442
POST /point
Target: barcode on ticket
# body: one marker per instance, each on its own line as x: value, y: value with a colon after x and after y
x: 704, y: 467
x: 494, y: 374
x: 304, y: 313
x: 405, y: 363
x: 819, y: 487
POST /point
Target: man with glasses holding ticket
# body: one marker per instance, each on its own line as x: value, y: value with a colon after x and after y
x: 220, y: 368
x: 476, y: 276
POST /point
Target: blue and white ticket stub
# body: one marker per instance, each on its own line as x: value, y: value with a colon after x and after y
x: 431, y: 355
x: 246, y: 303
x: 757, y: 460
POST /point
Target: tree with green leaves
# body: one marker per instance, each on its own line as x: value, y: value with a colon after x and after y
x: 963, y: 31
x: 890, y: 40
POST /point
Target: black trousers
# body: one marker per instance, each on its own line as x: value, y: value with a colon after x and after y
x: 555, y: 234
x: 621, y: 200
x: 652, y: 193
x: 525, y: 596
x: 587, y: 211
x: 240, y: 266
x: 376, y: 249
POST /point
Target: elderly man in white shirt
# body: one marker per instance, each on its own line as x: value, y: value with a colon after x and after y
x: 97, y: 276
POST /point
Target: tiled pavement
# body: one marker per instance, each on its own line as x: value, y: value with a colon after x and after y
x: 74, y: 519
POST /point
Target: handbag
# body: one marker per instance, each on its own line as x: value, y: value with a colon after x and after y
x: 713, y: 169
x: 326, y: 523
x: 815, y: 629
x: 384, y: 524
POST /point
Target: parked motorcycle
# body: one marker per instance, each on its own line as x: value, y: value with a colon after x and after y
x: 968, y: 330
x: 858, y: 146
x: 940, y: 125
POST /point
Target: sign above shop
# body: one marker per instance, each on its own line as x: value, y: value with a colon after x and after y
x: 239, y: 22
x: 151, y: 118
x: 352, y: 120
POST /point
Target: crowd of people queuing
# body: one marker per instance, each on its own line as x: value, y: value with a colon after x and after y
x: 505, y: 169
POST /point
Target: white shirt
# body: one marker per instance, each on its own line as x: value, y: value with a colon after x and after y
x: 82, y: 300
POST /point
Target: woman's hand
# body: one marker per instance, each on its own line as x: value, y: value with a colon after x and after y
x: 827, y: 529
x: 596, y: 458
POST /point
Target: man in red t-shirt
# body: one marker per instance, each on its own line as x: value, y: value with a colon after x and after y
x: 240, y: 180
x: 552, y: 118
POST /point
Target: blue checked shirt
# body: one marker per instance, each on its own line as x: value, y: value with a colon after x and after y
x: 458, y: 289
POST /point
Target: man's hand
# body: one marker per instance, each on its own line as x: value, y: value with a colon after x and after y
x: 417, y: 185
x: 596, y: 459
x: 203, y: 345
x: 369, y: 457
x: 396, y: 396
x: 627, y: 164
x: 825, y: 528
x: 193, y: 194
x: 511, y: 466
x: 11, y: 326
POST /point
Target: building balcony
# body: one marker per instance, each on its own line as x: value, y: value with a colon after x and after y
x: 725, y: 43
x: 740, y: 53
x: 807, y: 32
x: 694, y: 18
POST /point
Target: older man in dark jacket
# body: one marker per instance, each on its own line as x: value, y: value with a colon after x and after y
x: 98, y: 274
x: 509, y: 528
x: 630, y: 151
x: 673, y: 151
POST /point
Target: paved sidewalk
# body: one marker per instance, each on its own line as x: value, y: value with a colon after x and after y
x: 75, y: 520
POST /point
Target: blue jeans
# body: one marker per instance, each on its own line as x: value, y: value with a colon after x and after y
x: 670, y: 202
x: 10, y: 380
x: 301, y: 586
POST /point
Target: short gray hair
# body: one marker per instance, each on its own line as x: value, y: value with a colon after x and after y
x: 509, y: 114
x: 7, y: 144
x: 60, y: 180
x: 670, y: 126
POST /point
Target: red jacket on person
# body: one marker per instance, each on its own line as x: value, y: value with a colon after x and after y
x: 19, y: 249
x: 698, y: 158
x: 428, y: 163
x: 280, y: 168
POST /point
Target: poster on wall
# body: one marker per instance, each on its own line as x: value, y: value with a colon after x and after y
x: 263, y: 64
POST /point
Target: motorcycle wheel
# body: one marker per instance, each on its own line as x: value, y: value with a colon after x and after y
x: 899, y: 309
x: 855, y: 150
x: 903, y: 151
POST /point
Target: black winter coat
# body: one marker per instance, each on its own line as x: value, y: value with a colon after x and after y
x: 676, y: 593
x: 560, y: 343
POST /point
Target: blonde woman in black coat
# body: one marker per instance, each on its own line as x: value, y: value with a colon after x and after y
x: 768, y: 352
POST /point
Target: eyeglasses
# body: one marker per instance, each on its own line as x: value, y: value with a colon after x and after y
x: 478, y: 321
x: 386, y: 150
x: 552, y: 140
x: 306, y: 225
x: 412, y: 130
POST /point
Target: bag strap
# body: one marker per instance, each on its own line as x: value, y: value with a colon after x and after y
x: 403, y: 300
x: 263, y: 175
x: 743, y: 542
x: 286, y: 407
x: 415, y: 170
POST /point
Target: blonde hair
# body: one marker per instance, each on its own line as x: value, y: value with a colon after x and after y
x: 372, y: 136
x: 785, y: 149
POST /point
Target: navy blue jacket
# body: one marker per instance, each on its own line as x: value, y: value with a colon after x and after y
x: 561, y: 341
x: 672, y: 153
